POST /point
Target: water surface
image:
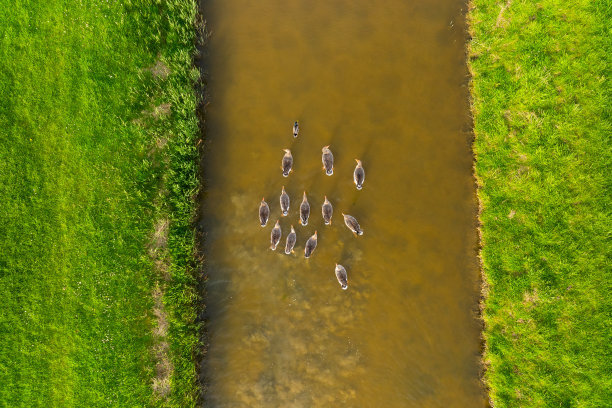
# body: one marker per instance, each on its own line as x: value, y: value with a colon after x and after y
x: 384, y: 82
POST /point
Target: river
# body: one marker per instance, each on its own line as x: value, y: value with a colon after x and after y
x: 384, y: 82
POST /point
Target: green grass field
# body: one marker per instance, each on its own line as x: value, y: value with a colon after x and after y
x: 97, y: 149
x: 541, y: 104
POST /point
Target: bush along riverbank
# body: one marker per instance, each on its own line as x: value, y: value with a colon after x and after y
x: 98, y: 168
x: 541, y: 106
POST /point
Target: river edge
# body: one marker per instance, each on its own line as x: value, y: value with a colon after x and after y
x: 179, y: 293
x: 200, y: 88
x: 484, y: 284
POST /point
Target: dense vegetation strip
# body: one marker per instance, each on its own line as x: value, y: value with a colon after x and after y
x: 97, y: 177
x: 541, y: 105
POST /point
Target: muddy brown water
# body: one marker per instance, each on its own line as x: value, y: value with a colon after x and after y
x: 384, y: 82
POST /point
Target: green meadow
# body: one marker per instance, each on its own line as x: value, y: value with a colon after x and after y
x: 541, y: 106
x: 98, y: 171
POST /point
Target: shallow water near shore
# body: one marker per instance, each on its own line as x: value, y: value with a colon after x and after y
x: 386, y: 84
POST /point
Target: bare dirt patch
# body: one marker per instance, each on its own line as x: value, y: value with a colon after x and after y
x: 160, y: 70
x: 161, y: 349
x: 163, y: 365
x: 162, y: 110
x: 531, y: 298
x: 501, y: 21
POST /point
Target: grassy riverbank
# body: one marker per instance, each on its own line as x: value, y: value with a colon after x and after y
x: 97, y: 176
x: 542, y: 123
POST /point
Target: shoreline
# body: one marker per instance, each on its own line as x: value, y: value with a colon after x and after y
x: 484, y: 284
x: 200, y: 89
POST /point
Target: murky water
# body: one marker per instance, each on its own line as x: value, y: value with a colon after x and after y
x: 384, y: 82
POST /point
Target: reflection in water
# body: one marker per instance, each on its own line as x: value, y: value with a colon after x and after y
x: 384, y: 83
